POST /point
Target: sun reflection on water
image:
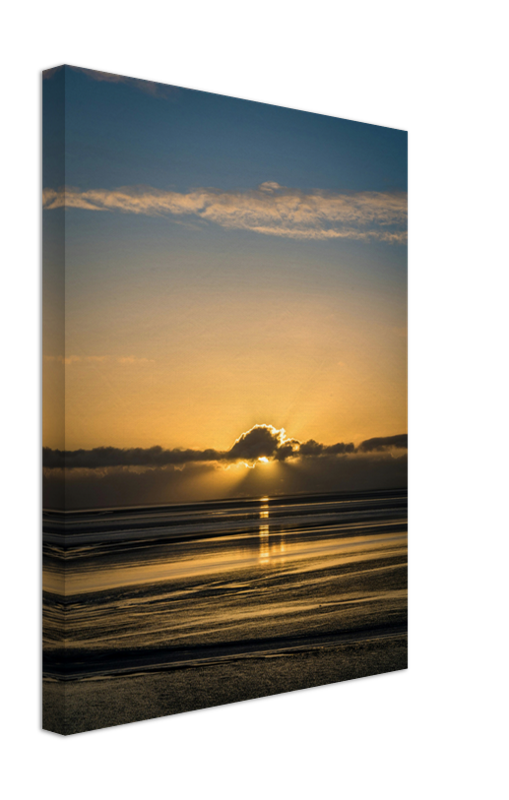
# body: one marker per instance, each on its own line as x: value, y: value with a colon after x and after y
x: 271, y: 546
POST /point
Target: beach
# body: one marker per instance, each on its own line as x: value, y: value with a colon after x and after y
x: 175, y: 609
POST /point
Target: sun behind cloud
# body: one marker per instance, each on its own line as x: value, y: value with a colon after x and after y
x: 263, y: 442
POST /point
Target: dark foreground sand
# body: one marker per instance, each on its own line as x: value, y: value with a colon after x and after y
x: 101, y: 703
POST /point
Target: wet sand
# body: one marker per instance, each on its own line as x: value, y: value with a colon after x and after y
x: 104, y: 702
x: 178, y: 610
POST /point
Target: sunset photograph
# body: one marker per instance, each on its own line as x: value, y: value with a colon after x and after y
x: 224, y: 400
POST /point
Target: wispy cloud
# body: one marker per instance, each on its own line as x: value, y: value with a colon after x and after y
x: 48, y: 73
x: 67, y: 360
x: 261, y: 442
x: 160, y: 90
x: 72, y: 359
x: 134, y: 360
x: 270, y: 209
x: 149, y: 87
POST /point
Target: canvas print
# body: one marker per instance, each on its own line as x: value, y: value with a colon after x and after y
x: 224, y: 400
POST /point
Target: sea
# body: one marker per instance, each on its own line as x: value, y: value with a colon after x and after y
x: 151, y: 611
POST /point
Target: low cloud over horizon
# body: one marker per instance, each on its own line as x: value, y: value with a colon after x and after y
x: 260, y: 442
x: 270, y: 209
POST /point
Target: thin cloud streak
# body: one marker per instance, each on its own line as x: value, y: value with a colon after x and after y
x: 69, y: 360
x: 270, y: 209
x: 151, y: 88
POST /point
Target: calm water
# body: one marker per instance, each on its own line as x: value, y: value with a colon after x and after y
x: 318, y: 582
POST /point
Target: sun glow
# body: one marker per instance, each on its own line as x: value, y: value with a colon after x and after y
x: 263, y: 459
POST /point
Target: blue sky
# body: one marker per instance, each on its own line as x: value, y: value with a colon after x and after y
x: 117, y: 134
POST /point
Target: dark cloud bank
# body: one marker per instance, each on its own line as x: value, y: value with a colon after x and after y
x: 262, y: 441
x: 109, y: 476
